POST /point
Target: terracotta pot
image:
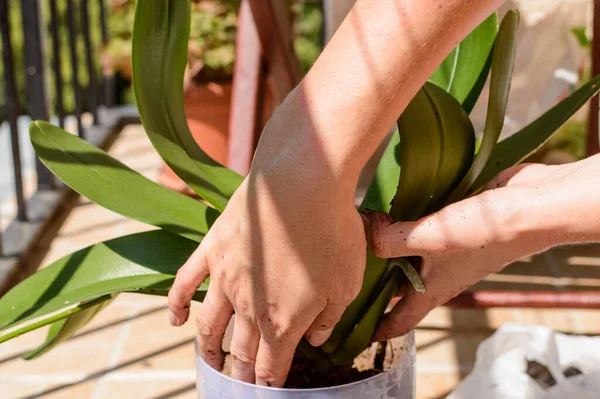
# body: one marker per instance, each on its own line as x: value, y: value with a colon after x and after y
x: 207, y: 107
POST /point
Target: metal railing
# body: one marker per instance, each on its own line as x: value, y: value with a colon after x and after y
x: 45, y: 92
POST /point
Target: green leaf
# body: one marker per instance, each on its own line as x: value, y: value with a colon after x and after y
x: 421, y: 142
x: 54, y: 318
x: 473, y: 96
x: 525, y: 142
x: 64, y: 329
x: 104, y: 180
x: 458, y: 144
x: 139, y: 262
x: 361, y: 336
x: 374, y: 271
x: 459, y: 73
x: 582, y: 38
x: 159, y: 56
x: 502, y: 67
x: 385, y: 182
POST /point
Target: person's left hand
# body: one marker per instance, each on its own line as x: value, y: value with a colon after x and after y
x: 525, y: 210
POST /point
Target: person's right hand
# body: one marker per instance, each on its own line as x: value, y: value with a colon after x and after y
x: 525, y: 210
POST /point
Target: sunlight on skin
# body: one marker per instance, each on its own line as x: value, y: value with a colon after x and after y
x: 527, y: 209
x: 288, y: 253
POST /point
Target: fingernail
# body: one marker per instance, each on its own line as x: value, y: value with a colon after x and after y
x: 173, y: 319
x: 318, y: 338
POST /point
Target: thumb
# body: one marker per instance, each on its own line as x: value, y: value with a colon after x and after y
x: 388, y: 238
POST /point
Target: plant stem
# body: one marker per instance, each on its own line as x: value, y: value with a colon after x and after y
x: 411, y: 273
x: 362, y: 335
x: 52, y: 319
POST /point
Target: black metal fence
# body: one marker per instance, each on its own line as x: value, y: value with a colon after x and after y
x: 43, y: 24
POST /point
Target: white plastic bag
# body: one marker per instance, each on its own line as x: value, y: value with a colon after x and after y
x: 500, y: 371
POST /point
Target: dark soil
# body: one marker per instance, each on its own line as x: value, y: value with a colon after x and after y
x: 304, y: 377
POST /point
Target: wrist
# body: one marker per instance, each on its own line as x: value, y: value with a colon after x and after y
x: 300, y: 151
x: 567, y: 213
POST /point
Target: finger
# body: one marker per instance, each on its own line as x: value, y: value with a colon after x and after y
x: 244, y: 346
x: 188, y: 279
x: 404, y: 317
x: 273, y: 360
x: 321, y: 328
x: 211, y: 323
x: 278, y: 342
x: 390, y: 239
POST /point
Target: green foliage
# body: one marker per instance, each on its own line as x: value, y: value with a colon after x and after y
x: 463, y: 72
x: 308, y: 29
x: 502, y: 67
x: 525, y: 142
x: 160, y: 37
x: 143, y: 262
x: 570, y: 138
x: 64, y: 329
x: 582, y: 37
x: 212, y: 36
x: 96, y: 175
x: 432, y: 153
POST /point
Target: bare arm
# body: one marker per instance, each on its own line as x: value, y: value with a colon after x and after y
x: 376, y: 62
x: 288, y: 253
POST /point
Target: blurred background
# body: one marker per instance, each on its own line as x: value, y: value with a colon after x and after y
x: 69, y: 61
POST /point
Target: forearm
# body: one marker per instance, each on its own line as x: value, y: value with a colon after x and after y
x: 376, y: 62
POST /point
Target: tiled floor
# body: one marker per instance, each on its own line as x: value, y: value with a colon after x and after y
x: 130, y: 351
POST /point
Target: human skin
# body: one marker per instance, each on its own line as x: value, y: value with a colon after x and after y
x: 525, y: 210
x: 288, y: 253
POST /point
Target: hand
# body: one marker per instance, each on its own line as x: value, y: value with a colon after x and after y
x: 287, y: 260
x: 526, y: 210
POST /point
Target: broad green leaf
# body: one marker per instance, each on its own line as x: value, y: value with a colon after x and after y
x: 104, y: 180
x: 502, y: 66
x: 361, y: 335
x: 159, y: 56
x: 385, y: 182
x: 525, y: 142
x: 374, y: 271
x: 64, y: 329
x: 421, y: 145
x: 138, y: 262
x: 458, y: 141
x: 460, y: 71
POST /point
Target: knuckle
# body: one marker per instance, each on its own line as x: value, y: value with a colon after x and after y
x: 349, y: 294
x: 274, y: 330
x: 267, y: 375
x: 204, y: 327
x: 242, y: 306
x: 221, y: 275
x: 176, y: 300
x: 241, y: 358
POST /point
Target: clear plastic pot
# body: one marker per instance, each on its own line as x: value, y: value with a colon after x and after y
x: 396, y: 383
